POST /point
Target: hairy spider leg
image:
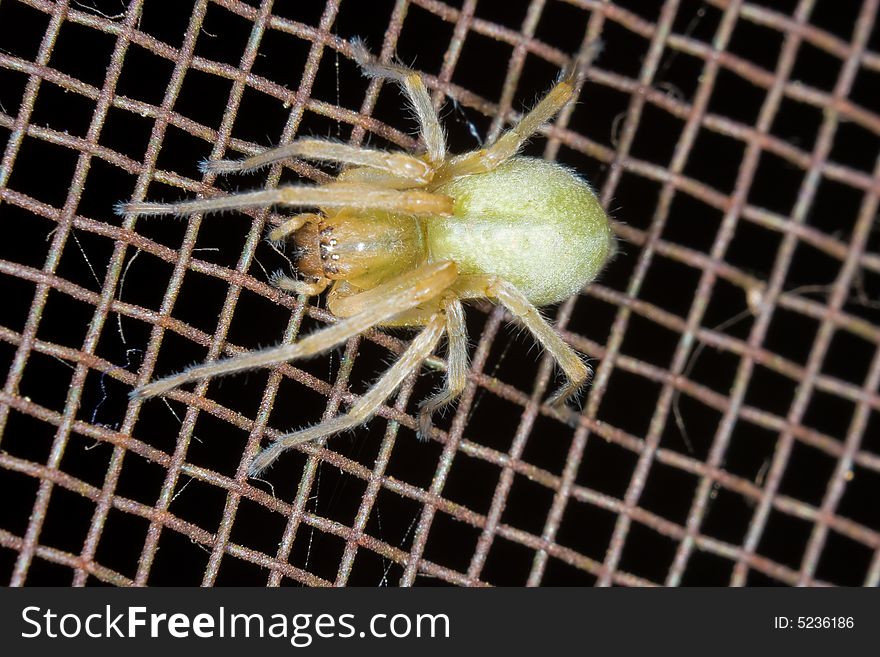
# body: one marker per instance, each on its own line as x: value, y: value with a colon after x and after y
x: 399, y: 294
x: 402, y: 165
x: 331, y: 195
x: 493, y: 287
x: 376, y: 178
x: 420, y: 348
x: 412, y: 83
x: 509, y: 143
x: 456, y: 366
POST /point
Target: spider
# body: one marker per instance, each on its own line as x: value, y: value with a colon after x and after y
x: 401, y: 240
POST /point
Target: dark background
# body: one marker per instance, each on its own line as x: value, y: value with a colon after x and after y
x: 43, y: 171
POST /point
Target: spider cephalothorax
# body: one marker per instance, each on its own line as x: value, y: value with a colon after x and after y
x: 402, y: 239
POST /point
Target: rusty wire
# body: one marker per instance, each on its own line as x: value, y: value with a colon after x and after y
x: 725, y: 528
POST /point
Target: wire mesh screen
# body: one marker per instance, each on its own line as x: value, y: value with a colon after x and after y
x: 730, y: 434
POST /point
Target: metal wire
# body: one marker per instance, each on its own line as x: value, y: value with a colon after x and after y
x: 756, y: 457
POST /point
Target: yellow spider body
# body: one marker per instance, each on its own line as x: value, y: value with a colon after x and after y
x: 404, y: 239
x: 531, y: 222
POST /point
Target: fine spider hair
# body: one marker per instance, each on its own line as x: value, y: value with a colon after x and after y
x: 402, y: 239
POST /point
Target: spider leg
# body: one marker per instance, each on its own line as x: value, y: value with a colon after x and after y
x: 399, y: 294
x: 419, y: 349
x: 509, y: 143
x: 457, y: 364
x: 401, y: 165
x: 516, y: 302
x: 376, y: 178
x: 354, y: 304
x: 331, y: 195
x: 412, y: 84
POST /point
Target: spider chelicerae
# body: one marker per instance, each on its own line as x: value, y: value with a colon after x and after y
x: 402, y: 239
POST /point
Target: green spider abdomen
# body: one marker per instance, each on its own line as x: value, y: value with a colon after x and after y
x: 531, y: 222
